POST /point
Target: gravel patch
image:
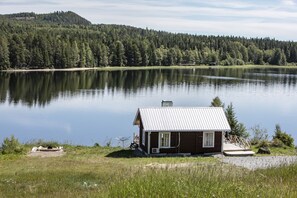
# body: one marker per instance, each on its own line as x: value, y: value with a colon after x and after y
x: 253, y: 163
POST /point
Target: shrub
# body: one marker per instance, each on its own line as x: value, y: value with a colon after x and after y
x: 259, y: 135
x: 11, y: 146
x: 277, y: 143
x: 287, y: 139
x: 263, y: 144
x: 97, y: 145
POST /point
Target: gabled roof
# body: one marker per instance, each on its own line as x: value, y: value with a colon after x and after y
x: 182, y: 119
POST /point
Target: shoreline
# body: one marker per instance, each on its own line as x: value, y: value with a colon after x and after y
x: 117, y: 68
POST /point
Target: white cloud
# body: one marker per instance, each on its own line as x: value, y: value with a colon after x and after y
x: 289, y: 2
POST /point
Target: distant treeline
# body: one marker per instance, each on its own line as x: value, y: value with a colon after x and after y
x: 27, y: 44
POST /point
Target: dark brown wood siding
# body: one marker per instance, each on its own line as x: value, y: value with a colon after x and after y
x: 174, y: 139
x: 146, y: 142
x: 142, y: 145
x: 173, y: 144
x: 187, y: 142
x: 217, y: 144
x: 154, y: 140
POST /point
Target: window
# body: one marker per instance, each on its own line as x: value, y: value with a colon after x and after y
x: 208, y: 139
x: 164, y: 140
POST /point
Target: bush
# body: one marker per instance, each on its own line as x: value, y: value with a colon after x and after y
x: 277, y: 143
x: 259, y: 135
x: 263, y: 144
x: 287, y: 139
x: 97, y: 145
x: 11, y: 146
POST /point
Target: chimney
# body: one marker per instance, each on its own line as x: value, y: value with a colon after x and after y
x: 166, y: 103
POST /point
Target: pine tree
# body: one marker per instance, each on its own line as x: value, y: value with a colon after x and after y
x: 4, y: 53
x: 278, y: 58
x: 152, y: 55
x: 104, y: 56
x: 17, y: 52
x: 216, y: 102
x: 237, y: 128
x: 82, y: 56
x: 232, y: 120
x: 89, y: 56
x: 293, y: 55
x: 143, y: 48
x: 58, y: 53
x: 74, y: 54
x: 37, y: 58
x: 118, y: 54
x: 136, y: 56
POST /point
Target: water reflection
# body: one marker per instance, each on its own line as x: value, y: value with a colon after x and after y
x: 91, y: 106
x: 37, y: 88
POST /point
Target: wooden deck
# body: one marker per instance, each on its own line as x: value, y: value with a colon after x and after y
x: 234, y: 150
x: 232, y: 147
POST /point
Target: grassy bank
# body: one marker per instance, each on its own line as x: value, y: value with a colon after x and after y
x: 278, y: 151
x: 112, y: 172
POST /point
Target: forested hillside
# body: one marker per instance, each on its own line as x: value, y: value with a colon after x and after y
x: 64, y: 18
x: 26, y: 43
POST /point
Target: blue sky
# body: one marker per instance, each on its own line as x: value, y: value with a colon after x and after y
x: 249, y: 18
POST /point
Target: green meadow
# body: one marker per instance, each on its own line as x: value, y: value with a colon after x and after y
x: 113, y: 172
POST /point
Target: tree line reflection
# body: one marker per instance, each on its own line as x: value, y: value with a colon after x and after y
x: 40, y: 88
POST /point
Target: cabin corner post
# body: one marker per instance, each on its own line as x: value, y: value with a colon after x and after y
x: 222, y: 144
x: 149, y: 143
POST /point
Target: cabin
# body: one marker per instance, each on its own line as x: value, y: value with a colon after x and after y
x: 181, y: 130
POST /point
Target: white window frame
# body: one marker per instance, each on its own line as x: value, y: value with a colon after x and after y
x: 169, y: 139
x: 204, y: 139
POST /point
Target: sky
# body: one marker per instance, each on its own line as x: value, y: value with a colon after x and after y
x: 248, y: 18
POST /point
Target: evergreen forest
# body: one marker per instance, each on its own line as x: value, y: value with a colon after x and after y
x: 66, y: 40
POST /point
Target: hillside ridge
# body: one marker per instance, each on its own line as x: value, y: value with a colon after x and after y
x: 58, y: 17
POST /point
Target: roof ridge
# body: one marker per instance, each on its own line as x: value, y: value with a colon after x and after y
x: 178, y: 107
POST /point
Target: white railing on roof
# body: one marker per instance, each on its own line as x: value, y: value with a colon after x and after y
x: 238, y: 141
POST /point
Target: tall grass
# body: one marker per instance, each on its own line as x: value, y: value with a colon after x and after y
x: 210, y: 181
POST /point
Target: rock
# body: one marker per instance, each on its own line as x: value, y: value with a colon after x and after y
x: 263, y: 150
x: 34, y: 149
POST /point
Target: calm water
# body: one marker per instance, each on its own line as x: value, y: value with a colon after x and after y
x: 88, y: 107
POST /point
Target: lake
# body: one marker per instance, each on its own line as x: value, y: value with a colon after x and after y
x: 87, y: 107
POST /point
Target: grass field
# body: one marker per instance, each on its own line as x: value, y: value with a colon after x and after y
x: 112, y: 172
